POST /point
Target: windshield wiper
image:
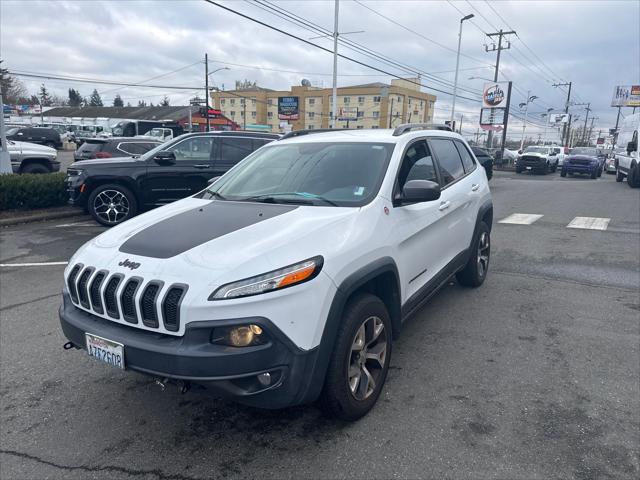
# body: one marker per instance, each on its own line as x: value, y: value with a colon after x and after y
x: 217, y: 195
x: 307, y: 198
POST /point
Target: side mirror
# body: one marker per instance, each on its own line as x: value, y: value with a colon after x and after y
x: 631, y: 147
x: 416, y: 191
x: 165, y: 158
x: 19, y: 134
x: 211, y: 181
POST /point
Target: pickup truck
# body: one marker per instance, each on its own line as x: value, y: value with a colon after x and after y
x: 32, y: 158
x: 627, y: 162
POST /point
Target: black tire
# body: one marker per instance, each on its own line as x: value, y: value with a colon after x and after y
x: 518, y: 170
x: 619, y: 175
x: 35, y: 168
x: 475, y: 271
x: 337, y: 399
x: 563, y: 173
x: 633, y: 178
x: 594, y: 174
x: 554, y: 169
x: 122, y: 207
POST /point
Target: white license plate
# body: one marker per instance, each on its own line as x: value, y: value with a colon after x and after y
x: 528, y: 168
x: 105, y: 350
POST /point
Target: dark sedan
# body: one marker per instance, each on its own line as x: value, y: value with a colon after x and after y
x: 583, y: 160
x: 485, y: 159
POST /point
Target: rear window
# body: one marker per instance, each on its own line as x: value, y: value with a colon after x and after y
x: 91, y: 147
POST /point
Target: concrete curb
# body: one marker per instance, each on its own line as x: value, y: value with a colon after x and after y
x: 39, y: 216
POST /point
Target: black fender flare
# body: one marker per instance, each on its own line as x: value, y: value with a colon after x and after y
x: 347, y: 287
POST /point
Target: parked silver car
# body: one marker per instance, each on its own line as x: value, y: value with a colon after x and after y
x: 32, y: 158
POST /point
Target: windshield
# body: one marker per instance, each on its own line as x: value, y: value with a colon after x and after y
x: 536, y: 150
x: 12, y: 131
x: 585, y: 151
x: 339, y: 174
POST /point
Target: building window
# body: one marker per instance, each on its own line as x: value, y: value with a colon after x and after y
x: 253, y: 101
x: 253, y: 114
x: 375, y: 126
x: 269, y: 114
x: 421, y: 103
x: 311, y: 127
x: 399, y: 99
x: 311, y: 114
x: 376, y: 99
x: 232, y: 101
x: 269, y: 101
x: 347, y: 99
x: 232, y: 113
x: 312, y: 101
x: 409, y: 100
x: 330, y: 114
x: 360, y: 99
x: 242, y: 101
x: 222, y: 101
x: 376, y: 114
x: 360, y: 113
x: 360, y: 126
x: 242, y: 113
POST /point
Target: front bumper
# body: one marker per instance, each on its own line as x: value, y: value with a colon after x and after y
x: 537, y: 163
x: 229, y: 371
x: 580, y: 168
x: 74, y: 186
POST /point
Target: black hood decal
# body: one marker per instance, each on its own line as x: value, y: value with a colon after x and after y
x: 189, y: 229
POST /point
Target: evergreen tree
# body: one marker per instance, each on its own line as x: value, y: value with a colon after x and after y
x: 95, y: 100
x: 13, y: 91
x: 117, y: 102
x: 75, y: 99
x: 142, y: 103
x: 45, y: 98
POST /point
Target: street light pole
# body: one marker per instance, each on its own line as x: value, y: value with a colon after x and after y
x: 206, y: 90
x: 334, y: 94
x: 455, y: 82
x: 530, y: 98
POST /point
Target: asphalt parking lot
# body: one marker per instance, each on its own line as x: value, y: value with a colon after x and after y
x: 534, y: 375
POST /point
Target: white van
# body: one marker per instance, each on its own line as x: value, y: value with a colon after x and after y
x: 626, y: 151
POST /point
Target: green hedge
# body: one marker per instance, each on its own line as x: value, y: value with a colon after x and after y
x: 32, y: 191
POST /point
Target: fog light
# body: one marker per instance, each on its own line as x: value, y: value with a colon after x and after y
x: 240, y: 336
x: 265, y: 379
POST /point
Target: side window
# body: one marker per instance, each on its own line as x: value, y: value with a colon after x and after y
x: 449, y: 160
x: 259, y: 143
x: 232, y: 150
x: 194, y: 149
x: 467, y: 159
x: 417, y: 164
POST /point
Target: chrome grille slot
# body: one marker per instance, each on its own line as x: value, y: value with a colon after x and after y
x: 94, y: 291
x: 71, y: 282
x: 110, y: 299
x: 171, y: 307
x: 83, y: 293
x: 148, y: 310
x: 127, y: 300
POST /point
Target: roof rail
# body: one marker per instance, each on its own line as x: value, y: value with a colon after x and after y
x: 298, y: 133
x: 407, y: 127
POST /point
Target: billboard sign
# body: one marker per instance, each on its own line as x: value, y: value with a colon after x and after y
x: 288, y: 108
x: 346, y: 114
x: 494, y: 95
x: 626, y: 96
x: 492, y: 116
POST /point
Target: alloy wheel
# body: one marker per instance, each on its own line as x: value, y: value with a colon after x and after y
x: 483, y: 254
x: 367, y: 358
x: 111, y: 205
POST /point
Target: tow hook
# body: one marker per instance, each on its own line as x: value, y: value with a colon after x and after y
x: 162, y: 383
x: 68, y: 346
x: 183, y: 387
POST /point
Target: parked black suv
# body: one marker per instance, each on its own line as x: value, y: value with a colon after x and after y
x: 116, y: 189
x: 113, y: 147
x: 40, y: 135
x: 485, y: 159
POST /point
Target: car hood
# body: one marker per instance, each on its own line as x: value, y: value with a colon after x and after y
x: 27, y: 147
x: 221, y: 241
x: 582, y: 157
x: 98, y: 162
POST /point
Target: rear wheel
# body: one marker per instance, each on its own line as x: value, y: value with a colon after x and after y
x: 360, y: 360
x: 563, y: 173
x: 112, y: 204
x: 554, y: 168
x: 475, y: 271
x: 594, y: 174
x: 35, y: 168
x: 619, y: 175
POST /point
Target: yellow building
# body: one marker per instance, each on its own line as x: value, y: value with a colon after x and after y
x: 373, y: 105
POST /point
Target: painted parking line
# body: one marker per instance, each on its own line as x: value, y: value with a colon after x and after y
x: 521, y: 218
x: 78, y: 224
x: 589, y: 223
x: 34, y: 264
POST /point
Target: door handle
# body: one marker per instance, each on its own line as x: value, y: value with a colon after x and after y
x: 202, y: 165
x: 475, y: 187
x: 444, y: 205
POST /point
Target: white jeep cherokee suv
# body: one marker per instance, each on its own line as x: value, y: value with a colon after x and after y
x: 286, y: 280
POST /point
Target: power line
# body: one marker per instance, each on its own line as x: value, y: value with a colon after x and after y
x: 473, y: 22
x: 155, y: 78
x: 288, y: 34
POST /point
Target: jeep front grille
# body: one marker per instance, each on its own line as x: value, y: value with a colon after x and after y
x: 129, y: 300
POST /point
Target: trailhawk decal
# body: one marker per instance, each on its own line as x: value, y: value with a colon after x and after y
x: 194, y: 227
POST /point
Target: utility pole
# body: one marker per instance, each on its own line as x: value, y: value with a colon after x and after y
x: 455, y: 82
x: 506, y: 122
x: 584, y: 130
x: 499, y: 34
x: 5, y: 157
x: 391, y: 113
x: 615, y: 135
x: 590, y: 131
x: 335, y: 67
x: 244, y: 113
x: 206, y: 90
x: 460, y: 126
x: 566, y: 110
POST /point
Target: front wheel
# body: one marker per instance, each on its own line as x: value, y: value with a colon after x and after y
x: 554, y: 169
x: 360, y: 360
x: 619, y: 175
x: 633, y: 177
x: 112, y: 204
x: 563, y: 173
x: 475, y: 271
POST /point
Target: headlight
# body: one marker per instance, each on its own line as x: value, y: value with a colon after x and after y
x: 274, y: 280
x: 73, y: 172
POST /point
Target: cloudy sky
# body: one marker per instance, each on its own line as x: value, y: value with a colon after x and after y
x: 594, y: 44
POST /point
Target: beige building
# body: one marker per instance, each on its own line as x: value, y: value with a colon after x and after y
x: 373, y: 105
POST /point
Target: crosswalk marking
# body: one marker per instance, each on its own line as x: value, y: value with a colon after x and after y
x: 521, y: 218
x: 589, y: 223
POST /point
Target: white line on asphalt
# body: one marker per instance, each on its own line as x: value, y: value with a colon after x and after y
x: 78, y: 224
x: 589, y: 223
x: 521, y: 218
x: 36, y: 264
